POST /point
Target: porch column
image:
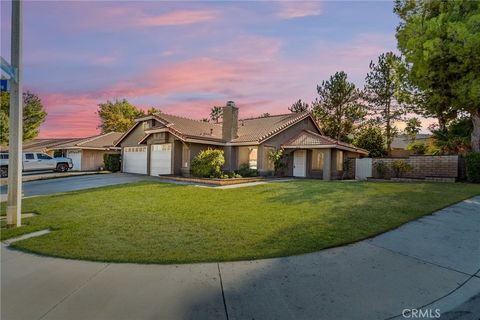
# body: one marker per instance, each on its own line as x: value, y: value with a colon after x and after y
x: 327, y: 160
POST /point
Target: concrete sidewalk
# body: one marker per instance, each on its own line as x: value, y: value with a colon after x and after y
x: 433, y: 262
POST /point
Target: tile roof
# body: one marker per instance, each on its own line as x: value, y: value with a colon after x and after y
x: 258, y: 129
x: 42, y: 144
x: 309, y: 138
x: 102, y: 141
x: 249, y: 130
x: 189, y: 127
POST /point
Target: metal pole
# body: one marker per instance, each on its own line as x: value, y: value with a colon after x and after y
x: 14, y: 199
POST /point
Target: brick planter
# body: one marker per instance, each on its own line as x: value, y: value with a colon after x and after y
x: 213, y: 181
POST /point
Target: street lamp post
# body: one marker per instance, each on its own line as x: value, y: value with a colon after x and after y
x: 14, y: 198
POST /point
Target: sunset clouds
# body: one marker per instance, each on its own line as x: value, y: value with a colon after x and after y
x: 185, y: 57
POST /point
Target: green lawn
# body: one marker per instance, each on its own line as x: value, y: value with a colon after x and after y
x: 164, y: 223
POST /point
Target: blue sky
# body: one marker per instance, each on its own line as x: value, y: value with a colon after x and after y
x: 184, y: 57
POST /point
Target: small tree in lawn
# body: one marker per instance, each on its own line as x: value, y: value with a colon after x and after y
x: 216, y: 113
x: 338, y: 108
x: 413, y: 128
x: 372, y: 140
x: 385, y: 92
x: 278, y: 159
x: 299, y: 106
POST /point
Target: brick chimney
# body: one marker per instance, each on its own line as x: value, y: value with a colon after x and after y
x: 230, y: 121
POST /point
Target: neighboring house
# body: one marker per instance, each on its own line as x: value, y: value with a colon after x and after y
x: 400, y: 143
x: 41, y: 145
x: 166, y: 144
x: 87, y: 153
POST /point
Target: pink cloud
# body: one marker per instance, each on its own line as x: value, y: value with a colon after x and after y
x: 175, y: 18
x: 297, y: 9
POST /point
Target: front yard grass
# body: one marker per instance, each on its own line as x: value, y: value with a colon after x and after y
x: 152, y: 222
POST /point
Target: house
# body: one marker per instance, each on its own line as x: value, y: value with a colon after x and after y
x: 400, y: 143
x: 163, y: 144
x: 87, y: 153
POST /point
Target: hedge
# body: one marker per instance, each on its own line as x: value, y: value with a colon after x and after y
x: 472, y: 162
x: 111, y: 162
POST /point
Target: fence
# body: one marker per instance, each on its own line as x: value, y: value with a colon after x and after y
x: 436, y: 168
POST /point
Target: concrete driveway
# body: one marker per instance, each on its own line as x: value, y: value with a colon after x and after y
x: 43, y: 187
x: 432, y: 263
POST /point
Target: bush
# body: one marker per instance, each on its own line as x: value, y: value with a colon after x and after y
x: 382, y: 169
x: 245, y: 171
x: 278, y: 159
x: 472, y: 161
x: 418, y: 147
x: 400, y: 167
x: 111, y: 162
x: 208, y: 164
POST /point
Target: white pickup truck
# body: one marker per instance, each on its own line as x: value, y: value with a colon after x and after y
x: 33, y: 161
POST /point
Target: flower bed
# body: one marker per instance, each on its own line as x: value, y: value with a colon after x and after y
x: 214, y: 181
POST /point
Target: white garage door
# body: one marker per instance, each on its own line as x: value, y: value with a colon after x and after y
x: 135, y: 160
x: 161, y: 159
x: 76, y: 156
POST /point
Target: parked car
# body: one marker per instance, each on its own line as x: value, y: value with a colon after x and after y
x: 36, y: 161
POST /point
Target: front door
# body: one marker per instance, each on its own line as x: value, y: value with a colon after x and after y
x: 300, y: 163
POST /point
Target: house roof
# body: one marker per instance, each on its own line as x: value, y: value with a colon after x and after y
x: 41, y: 144
x: 251, y: 130
x: 259, y: 129
x: 402, y: 141
x: 102, y: 142
x: 309, y: 139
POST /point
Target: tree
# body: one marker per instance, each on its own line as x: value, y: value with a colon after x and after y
x: 338, y: 108
x: 371, y: 139
x: 153, y: 110
x: 216, y: 113
x: 455, y: 139
x: 441, y: 42
x: 413, y: 128
x: 385, y: 91
x: 299, y: 106
x: 33, y: 116
x: 117, y: 116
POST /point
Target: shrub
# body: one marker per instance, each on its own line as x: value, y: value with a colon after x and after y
x: 382, y: 169
x: 472, y: 161
x: 278, y: 159
x: 208, y: 164
x: 245, y: 171
x: 418, y: 147
x: 111, y: 162
x: 400, y: 167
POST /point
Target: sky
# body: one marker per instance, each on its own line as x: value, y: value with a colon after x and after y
x: 185, y: 57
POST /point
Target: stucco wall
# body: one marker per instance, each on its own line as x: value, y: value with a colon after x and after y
x: 93, y: 159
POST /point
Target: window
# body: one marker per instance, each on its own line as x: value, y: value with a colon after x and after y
x: 43, y: 156
x: 4, y: 156
x: 317, y: 160
x: 146, y: 124
x: 339, y: 160
x: 185, y: 153
x: 252, y: 157
x: 29, y: 156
